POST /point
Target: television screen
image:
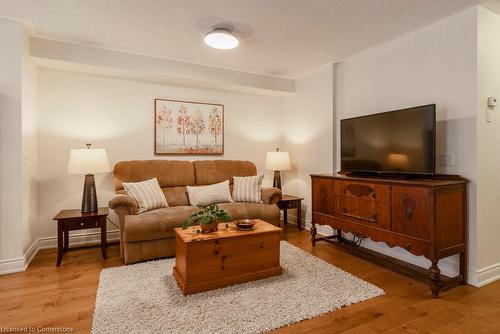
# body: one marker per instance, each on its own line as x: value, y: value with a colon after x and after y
x: 401, y: 141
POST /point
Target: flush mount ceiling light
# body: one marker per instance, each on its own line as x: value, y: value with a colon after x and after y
x: 221, y: 38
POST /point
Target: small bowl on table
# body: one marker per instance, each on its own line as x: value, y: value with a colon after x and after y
x: 244, y: 224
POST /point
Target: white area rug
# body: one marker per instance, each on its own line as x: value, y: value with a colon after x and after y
x: 144, y: 298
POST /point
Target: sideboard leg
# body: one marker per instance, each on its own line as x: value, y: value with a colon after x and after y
x: 313, y: 234
x: 435, y: 274
x: 463, y: 267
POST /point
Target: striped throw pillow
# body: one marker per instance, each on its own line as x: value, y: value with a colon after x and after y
x: 248, y: 189
x: 148, y: 194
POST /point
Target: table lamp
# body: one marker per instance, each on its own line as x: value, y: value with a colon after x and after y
x: 88, y: 161
x: 277, y: 161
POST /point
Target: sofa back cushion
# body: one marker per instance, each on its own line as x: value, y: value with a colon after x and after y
x: 216, y: 171
x: 170, y: 173
x: 174, y: 175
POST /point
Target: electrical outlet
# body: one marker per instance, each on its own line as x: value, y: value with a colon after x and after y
x: 447, y: 159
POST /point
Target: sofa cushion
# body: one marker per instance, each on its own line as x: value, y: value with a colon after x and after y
x: 170, y: 173
x: 176, y: 196
x: 156, y: 224
x: 266, y: 212
x: 206, y: 195
x: 215, y: 171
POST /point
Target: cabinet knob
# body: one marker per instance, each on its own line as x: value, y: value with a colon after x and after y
x: 374, y: 195
x: 81, y: 224
x: 409, y: 213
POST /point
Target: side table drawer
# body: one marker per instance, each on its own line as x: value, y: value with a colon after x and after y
x: 82, y: 224
x: 288, y: 205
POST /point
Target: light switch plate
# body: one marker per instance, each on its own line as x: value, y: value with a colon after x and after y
x: 447, y: 159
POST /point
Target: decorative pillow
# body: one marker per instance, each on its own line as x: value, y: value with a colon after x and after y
x: 206, y: 195
x: 148, y: 194
x: 248, y: 188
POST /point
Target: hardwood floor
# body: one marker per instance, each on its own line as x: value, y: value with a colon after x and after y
x: 48, y: 296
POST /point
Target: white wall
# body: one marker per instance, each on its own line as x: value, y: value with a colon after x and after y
x: 11, y: 236
x: 307, y: 126
x: 488, y: 144
x: 436, y: 64
x: 117, y: 114
x: 29, y: 146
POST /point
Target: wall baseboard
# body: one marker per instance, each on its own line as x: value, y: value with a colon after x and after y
x: 477, y: 278
x: 82, y: 239
x: 484, y: 276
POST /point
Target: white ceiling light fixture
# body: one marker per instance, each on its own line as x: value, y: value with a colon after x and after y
x: 221, y: 38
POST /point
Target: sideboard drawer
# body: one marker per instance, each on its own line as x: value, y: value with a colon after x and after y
x: 362, y: 211
x: 410, y: 211
x: 371, y: 192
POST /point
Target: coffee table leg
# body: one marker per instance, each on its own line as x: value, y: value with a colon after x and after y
x: 103, y: 238
x: 60, y: 249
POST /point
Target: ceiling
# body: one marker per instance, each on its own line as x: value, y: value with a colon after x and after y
x: 278, y: 37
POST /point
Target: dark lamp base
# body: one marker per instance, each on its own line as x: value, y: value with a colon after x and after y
x: 277, y: 179
x: 89, y: 199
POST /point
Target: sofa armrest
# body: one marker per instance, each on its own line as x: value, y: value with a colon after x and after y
x: 124, y: 201
x: 271, y: 195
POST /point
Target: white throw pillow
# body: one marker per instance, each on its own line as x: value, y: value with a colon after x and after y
x: 248, y: 189
x: 148, y: 194
x: 206, y: 195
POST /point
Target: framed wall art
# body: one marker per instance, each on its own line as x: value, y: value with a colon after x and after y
x: 188, y: 128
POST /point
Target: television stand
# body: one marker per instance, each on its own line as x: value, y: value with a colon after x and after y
x: 424, y: 216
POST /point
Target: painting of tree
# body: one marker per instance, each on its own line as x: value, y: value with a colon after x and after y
x: 215, y: 123
x: 183, y: 123
x: 164, y: 120
x: 199, y: 127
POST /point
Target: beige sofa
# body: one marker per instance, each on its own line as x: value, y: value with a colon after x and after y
x: 150, y: 235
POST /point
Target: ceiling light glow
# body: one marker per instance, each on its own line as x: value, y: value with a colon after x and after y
x: 221, y: 39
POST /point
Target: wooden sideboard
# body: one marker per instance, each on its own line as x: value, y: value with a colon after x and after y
x: 424, y: 216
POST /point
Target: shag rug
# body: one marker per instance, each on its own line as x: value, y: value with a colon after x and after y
x: 144, y: 298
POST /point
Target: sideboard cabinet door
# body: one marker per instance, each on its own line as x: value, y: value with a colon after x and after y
x: 322, y: 196
x: 411, y: 212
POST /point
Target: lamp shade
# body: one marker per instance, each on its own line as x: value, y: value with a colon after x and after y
x: 277, y: 161
x: 88, y: 161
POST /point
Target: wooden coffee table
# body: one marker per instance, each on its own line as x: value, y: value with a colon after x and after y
x: 225, y: 257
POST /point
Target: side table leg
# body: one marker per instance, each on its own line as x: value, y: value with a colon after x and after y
x: 299, y: 216
x: 59, y: 242
x: 66, y: 240
x: 103, y: 238
x: 285, y: 216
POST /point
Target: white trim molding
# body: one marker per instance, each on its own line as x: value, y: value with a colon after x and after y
x: 82, y: 239
x: 484, y: 276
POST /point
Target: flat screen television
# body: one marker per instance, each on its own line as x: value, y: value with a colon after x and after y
x: 394, y: 142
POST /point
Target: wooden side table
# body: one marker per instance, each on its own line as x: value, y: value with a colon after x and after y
x: 71, y: 220
x: 291, y: 202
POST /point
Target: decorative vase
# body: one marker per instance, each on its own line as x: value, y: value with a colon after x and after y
x: 210, y: 227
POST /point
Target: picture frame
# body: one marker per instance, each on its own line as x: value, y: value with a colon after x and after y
x: 188, y: 127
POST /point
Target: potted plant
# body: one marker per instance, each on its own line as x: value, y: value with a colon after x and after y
x: 208, y: 217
